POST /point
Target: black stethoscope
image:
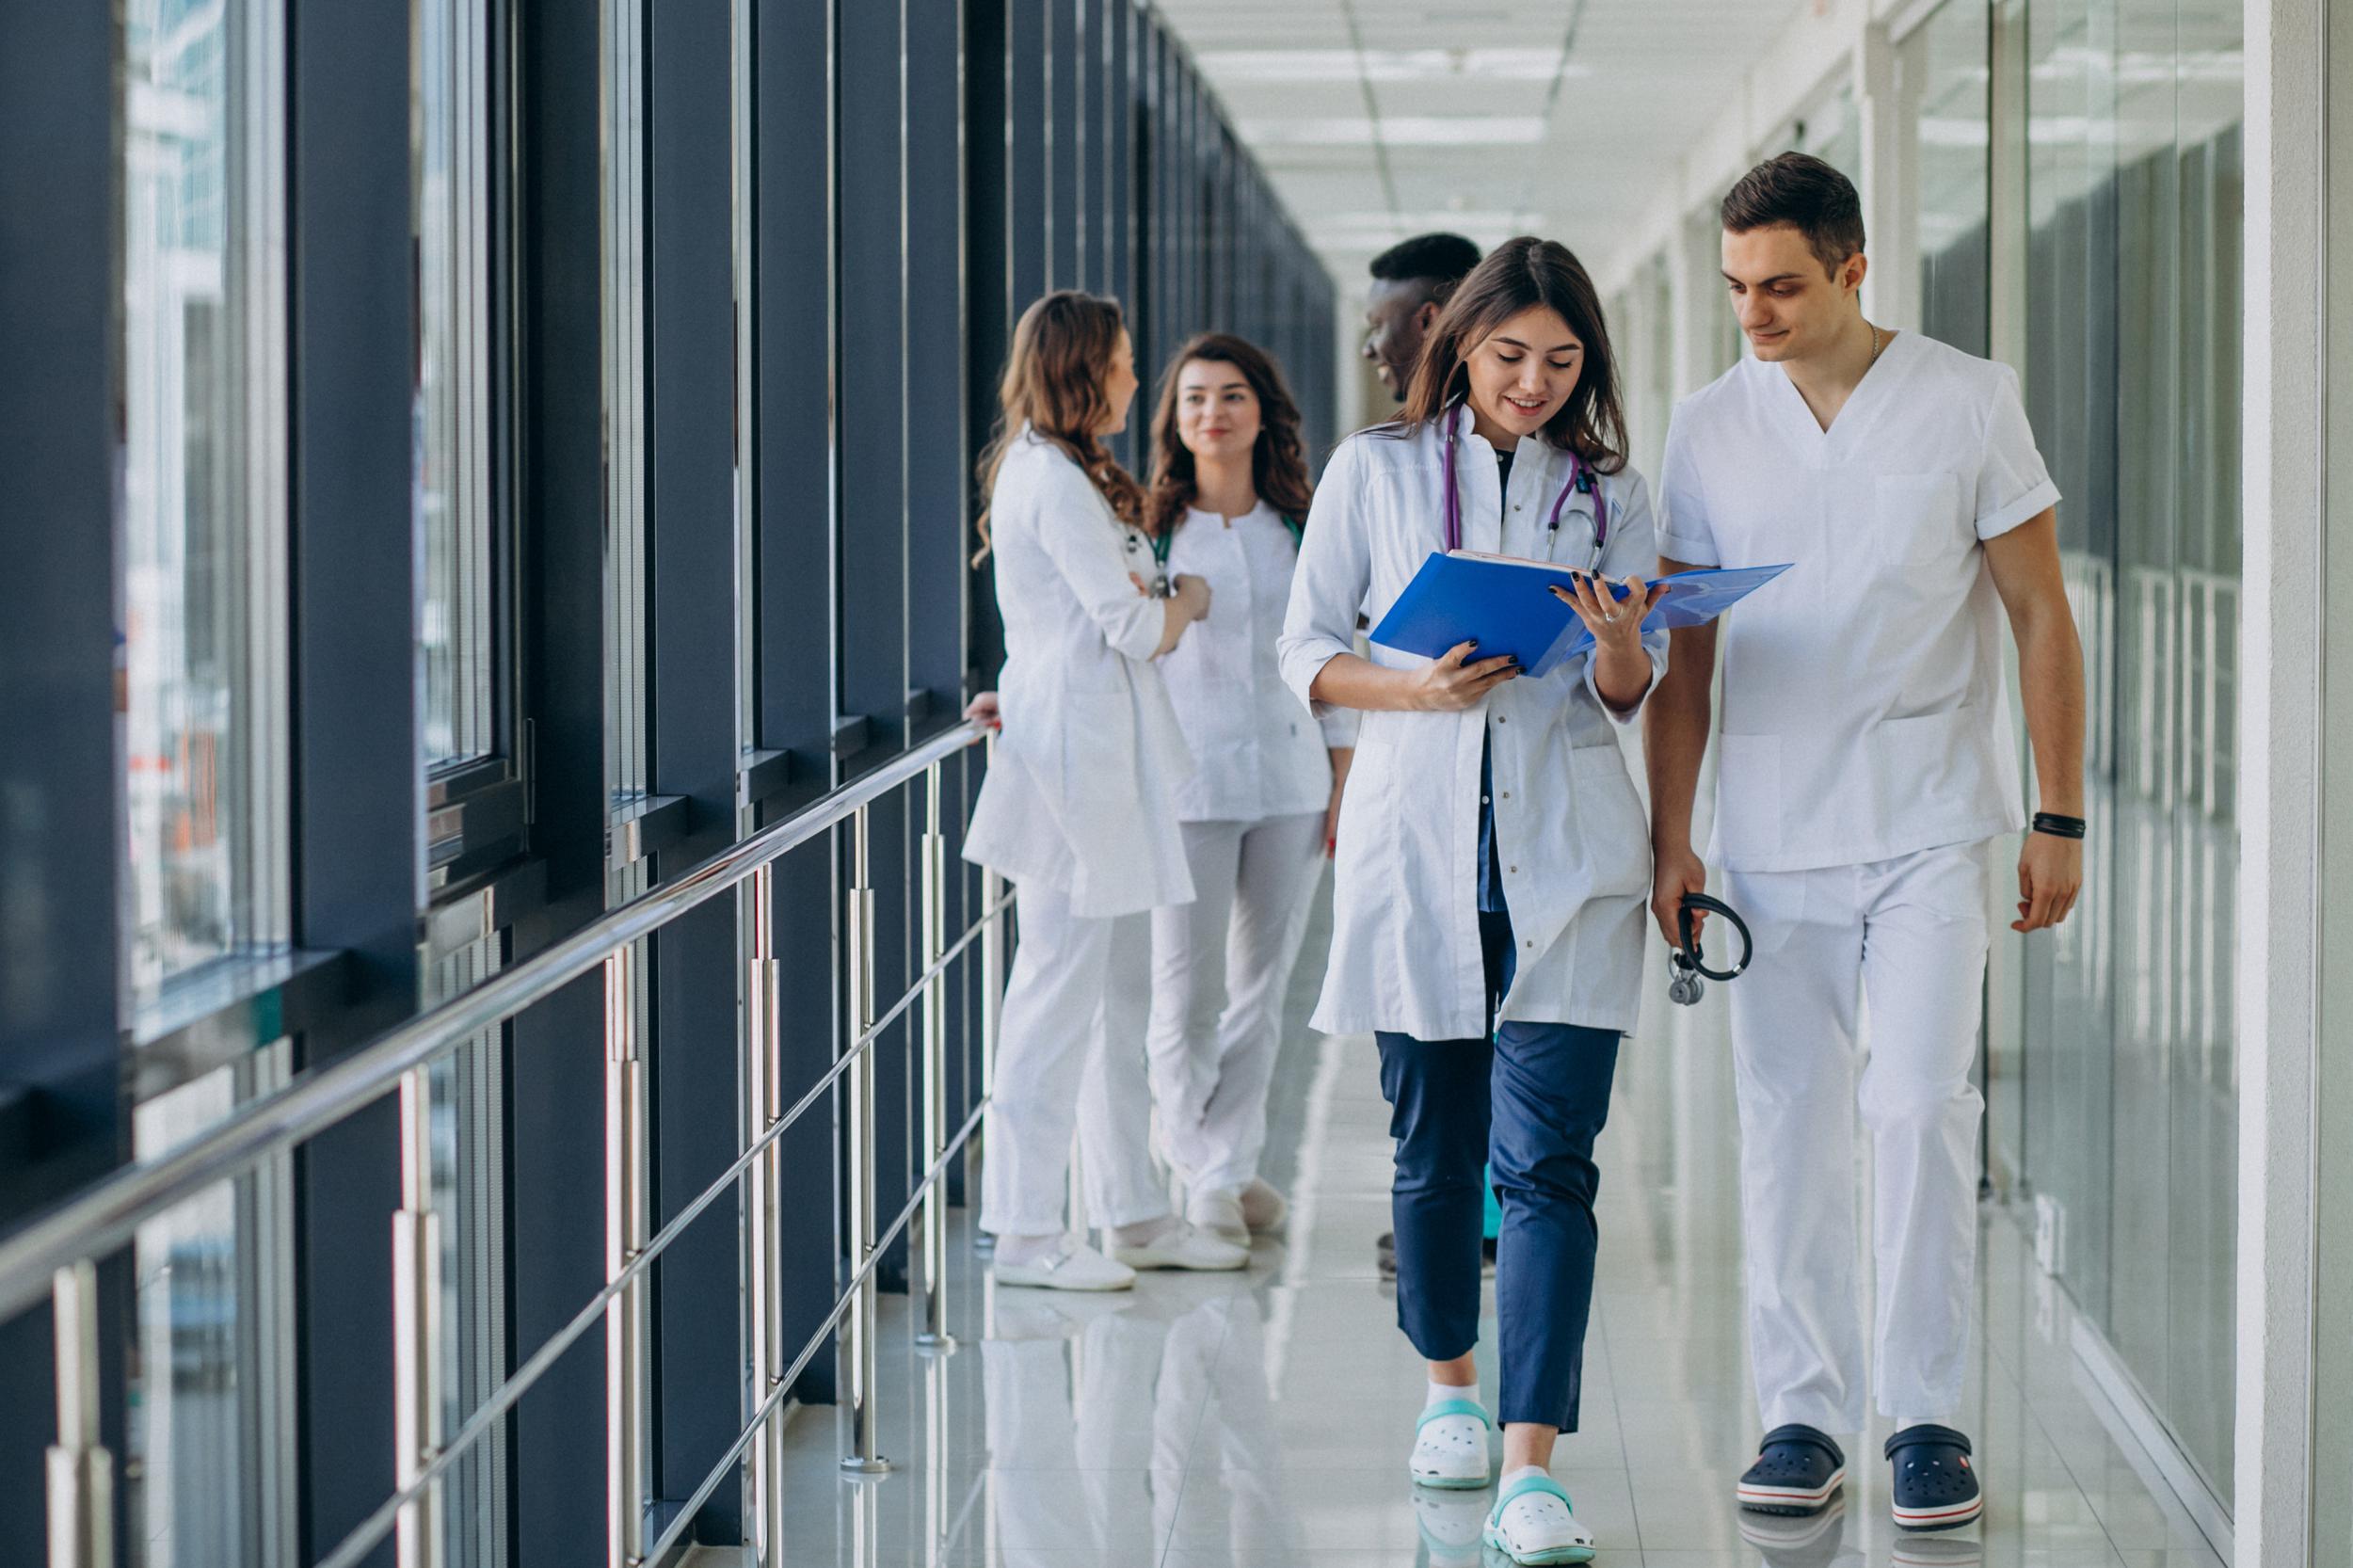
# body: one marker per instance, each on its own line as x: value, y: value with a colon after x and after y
x: 1688, y: 965
x: 1581, y: 478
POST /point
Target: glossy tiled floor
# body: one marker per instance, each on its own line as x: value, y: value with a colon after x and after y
x: 1260, y: 1420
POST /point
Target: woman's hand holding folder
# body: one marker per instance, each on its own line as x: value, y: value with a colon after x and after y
x: 1621, y: 670
x: 1448, y: 684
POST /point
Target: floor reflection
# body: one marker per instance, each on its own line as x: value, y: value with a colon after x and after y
x: 1261, y: 1420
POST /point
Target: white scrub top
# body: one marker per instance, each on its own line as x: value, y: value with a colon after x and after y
x: 1864, y: 709
x: 1082, y: 796
x: 1570, y: 832
x: 1254, y: 753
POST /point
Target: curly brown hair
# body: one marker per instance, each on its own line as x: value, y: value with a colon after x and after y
x: 1278, y: 460
x: 1053, y: 384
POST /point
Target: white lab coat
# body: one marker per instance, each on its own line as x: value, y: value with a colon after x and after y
x: 1569, y: 826
x: 1081, y: 796
x: 1254, y: 753
x: 1864, y: 709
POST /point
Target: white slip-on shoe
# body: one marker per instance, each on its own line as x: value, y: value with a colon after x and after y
x: 1221, y: 1215
x: 1450, y: 1446
x: 1533, y: 1523
x: 1071, y: 1266
x: 1181, y: 1247
x: 1263, y: 1208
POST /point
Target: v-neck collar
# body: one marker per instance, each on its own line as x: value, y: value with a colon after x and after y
x: 1862, y: 400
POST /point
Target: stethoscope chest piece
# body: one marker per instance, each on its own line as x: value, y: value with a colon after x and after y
x: 1687, y: 966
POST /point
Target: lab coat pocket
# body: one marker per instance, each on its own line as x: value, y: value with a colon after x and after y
x: 1916, y: 517
x: 1610, y: 820
x: 1098, y: 748
x: 1748, y: 796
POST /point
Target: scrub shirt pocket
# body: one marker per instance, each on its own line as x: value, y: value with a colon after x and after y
x: 1929, y: 766
x: 1916, y: 517
x: 1748, y: 793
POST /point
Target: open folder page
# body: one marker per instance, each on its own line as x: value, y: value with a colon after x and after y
x: 1506, y: 606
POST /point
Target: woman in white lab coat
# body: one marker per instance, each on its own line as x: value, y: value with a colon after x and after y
x: 1229, y: 494
x: 1078, y: 808
x: 1488, y: 905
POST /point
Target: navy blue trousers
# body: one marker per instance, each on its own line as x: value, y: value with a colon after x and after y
x: 1528, y: 1102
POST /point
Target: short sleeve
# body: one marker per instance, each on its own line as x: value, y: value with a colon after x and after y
x: 2013, y: 482
x: 1685, y: 533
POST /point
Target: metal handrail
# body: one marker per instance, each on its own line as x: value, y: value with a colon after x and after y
x: 371, y: 1530
x: 108, y: 1215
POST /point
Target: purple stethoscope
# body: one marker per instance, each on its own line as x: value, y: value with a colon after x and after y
x: 1581, y: 478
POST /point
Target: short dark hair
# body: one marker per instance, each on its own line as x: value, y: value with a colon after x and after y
x: 1440, y: 259
x: 1800, y: 192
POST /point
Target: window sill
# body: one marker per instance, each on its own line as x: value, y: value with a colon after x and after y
x: 224, y: 1011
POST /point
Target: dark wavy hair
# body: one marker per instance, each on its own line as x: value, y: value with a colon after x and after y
x: 1053, y: 383
x: 1278, y: 460
x: 1518, y: 275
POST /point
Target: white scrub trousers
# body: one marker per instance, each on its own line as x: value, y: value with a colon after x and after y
x: 1221, y: 966
x: 1071, y: 1046
x: 1910, y: 934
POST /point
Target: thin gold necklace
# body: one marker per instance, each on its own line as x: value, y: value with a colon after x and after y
x: 1875, y: 350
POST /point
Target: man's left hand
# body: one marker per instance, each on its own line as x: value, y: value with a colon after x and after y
x: 2050, y: 874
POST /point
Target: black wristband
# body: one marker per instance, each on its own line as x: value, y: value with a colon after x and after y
x: 2058, y: 827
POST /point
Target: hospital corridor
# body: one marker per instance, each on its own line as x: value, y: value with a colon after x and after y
x: 1175, y: 784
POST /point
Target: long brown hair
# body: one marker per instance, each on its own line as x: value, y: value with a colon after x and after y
x: 1053, y: 384
x: 1518, y: 275
x: 1278, y: 459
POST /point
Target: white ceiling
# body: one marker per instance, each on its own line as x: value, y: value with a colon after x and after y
x: 1381, y: 118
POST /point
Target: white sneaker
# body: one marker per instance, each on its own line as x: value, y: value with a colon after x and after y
x: 1222, y: 1215
x: 1263, y: 1208
x: 1181, y: 1247
x: 1071, y: 1266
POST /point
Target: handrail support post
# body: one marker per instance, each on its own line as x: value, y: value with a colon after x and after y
x: 859, y: 1367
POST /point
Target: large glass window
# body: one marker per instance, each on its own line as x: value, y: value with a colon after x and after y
x: 451, y: 196
x: 2134, y: 306
x: 203, y: 480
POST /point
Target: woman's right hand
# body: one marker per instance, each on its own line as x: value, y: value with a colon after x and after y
x: 983, y: 709
x: 1448, y: 684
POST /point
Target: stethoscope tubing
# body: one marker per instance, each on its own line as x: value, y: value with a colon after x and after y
x: 1450, y: 503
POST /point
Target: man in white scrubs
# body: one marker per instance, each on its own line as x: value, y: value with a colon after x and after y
x: 1866, y: 787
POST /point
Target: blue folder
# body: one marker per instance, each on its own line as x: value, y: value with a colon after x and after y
x: 1506, y: 606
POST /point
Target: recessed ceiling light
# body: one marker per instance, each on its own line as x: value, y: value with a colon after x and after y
x: 1384, y: 65
x: 1408, y: 131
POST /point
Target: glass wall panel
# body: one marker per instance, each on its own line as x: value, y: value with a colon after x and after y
x: 205, y: 1479
x: 2133, y: 281
x: 203, y: 478
x: 1948, y: 79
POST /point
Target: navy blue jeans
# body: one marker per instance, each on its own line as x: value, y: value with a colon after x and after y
x: 1528, y: 1102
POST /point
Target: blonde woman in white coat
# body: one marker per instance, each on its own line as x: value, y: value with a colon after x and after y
x: 1078, y: 808
x: 1229, y: 495
x: 1488, y: 907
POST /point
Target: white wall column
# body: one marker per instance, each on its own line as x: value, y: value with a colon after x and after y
x: 2280, y: 748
